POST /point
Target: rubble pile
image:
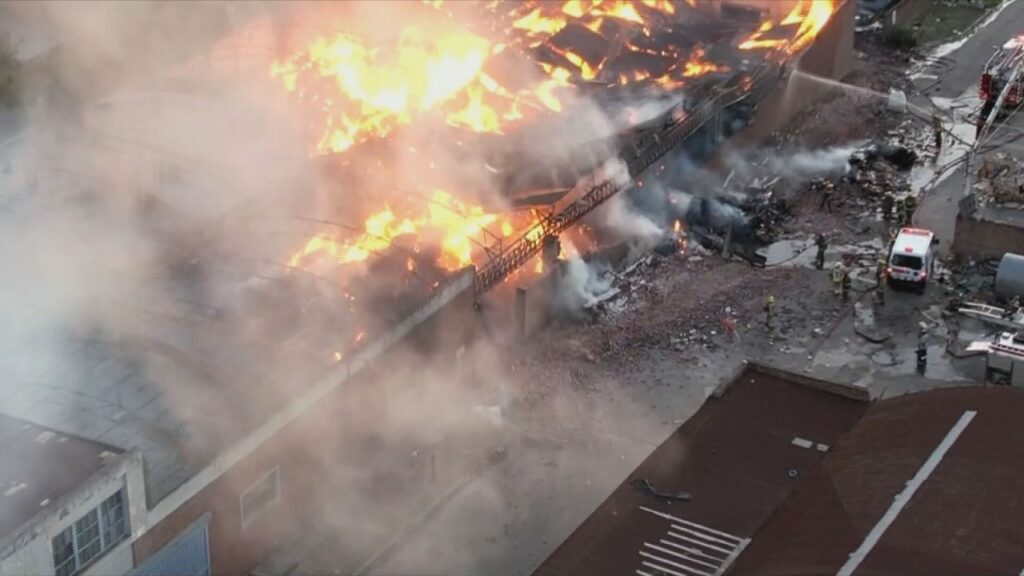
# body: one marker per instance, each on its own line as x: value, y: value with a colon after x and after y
x: 974, y: 281
x: 767, y: 213
x: 1001, y: 181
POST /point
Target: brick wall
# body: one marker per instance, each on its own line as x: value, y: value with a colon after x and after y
x: 977, y: 239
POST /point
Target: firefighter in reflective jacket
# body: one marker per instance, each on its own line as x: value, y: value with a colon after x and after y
x: 901, y: 211
x: 769, y: 310
x: 838, y: 271
x: 880, y: 274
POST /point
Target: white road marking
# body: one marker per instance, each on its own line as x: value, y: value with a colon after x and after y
x: 802, y: 442
x: 904, y: 497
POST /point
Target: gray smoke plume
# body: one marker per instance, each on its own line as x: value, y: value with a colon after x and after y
x: 582, y: 283
x: 811, y: 163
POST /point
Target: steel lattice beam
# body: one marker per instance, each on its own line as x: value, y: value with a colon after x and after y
x: 671, y: 135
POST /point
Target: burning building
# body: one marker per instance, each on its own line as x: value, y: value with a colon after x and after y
x: 443, y: 147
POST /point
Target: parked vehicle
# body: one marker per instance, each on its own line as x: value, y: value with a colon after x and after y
x: 912, y: 258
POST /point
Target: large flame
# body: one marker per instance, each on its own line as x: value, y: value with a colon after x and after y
x: 365, y: 92
x: 811, y: 15
x: 374, y: 91
x: 461, y: 231
x: 362, y: 91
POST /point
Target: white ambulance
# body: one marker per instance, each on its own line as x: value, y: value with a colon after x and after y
x: 912, y: 258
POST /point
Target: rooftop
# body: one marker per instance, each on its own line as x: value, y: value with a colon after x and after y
x: 38, y: 466
x: 739, y: 457
x: 964, y: 517
x: 787, y: 477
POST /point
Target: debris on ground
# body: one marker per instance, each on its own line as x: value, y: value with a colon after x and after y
x: 645, y: 486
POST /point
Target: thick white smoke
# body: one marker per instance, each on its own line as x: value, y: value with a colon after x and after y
x: 582, y: 283
x: 811, y: 163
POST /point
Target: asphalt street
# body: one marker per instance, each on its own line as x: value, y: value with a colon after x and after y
x: 955, y: 91
x: 973, y: 54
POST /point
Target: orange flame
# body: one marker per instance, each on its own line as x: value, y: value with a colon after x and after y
x: 698, y: 66
x: 811, y: 15
x: 376, y: 91
x: 365, y: 92
x: 460, y: 230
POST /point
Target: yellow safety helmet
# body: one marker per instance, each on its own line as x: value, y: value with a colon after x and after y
x: 771, y: 299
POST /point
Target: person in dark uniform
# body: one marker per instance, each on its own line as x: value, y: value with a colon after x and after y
x: 819, y: 257
x: 826, y: 197
x: 911, y: 207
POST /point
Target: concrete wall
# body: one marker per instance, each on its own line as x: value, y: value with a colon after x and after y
x: 294, y: 441
x: 29, y: 550
x: 979, y: 239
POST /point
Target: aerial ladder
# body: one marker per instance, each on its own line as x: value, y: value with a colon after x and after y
x: 676, y: 126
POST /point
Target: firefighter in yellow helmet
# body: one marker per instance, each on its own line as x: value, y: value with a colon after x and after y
x: 769, y: 310
x: 838, y: 271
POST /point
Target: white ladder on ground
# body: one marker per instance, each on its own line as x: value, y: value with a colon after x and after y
x: 688, y: 549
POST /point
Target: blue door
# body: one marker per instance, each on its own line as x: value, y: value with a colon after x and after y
x: 186, y: 555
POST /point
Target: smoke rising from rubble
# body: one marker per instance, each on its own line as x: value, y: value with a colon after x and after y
x: 582, y: 283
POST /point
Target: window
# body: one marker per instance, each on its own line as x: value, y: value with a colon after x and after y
x: 906, y: 261
x: 260, y: 496
x: 90, y: 536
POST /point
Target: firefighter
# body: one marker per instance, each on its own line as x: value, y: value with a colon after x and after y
x: 838, y: 271
x: 880, y: 274
x: 922, y: 349
x: 937, y: 128
x: 888, y: 201
x: 922, y: 357
x: 826, y: 197
x: 901, y: 211
x: 847, y: 282
x: 911, y: 207
x: 769, y: 310
x: 819, y: 257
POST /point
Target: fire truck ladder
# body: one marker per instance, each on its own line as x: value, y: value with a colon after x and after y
x: 530, y: 244
x: 1013, y: 69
